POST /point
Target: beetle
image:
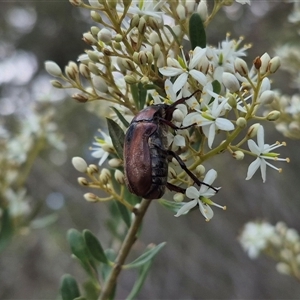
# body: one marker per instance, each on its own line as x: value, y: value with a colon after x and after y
x: 146, y: 152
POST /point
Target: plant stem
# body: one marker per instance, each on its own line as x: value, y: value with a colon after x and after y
x: 124, y: 250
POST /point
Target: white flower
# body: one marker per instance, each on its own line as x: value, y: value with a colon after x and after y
x: 255, y: 237
x: 263, y: 152
x: 18, y: 202
x: 144, y: 7
x: 102, y: 148
x: 210, y: 120
x: 201, y: 197
x: 176, y: 69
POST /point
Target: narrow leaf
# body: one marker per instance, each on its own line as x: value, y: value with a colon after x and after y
x: 142, y: 95
x: 117, y: 136
x: 145, y: 257
x: 171, y: 205
x: 120, y: 116
x: 197, y: 31
x: 6, y: 229
x: 77, y: 244
x: 135, y: 94
x: 91, y: 290
x: 143, y: 272
x: 124, y: 213
x: 68, y: 288
x: 94, y: 246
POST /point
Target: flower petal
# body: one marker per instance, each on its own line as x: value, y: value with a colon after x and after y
x: 199, y: 76
x: 253, y: 147
x: 180, y: 81
x: 253, y: 168
x: 192, y: 193
x: 170, y: 71
x: 186, y: 208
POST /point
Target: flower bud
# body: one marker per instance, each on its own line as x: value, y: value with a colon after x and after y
x: 82, y: 181
x: 241, y: 122
x: 104, y: 176
x: 92, y: 169
x: 130, y: 79
x: 156, y: 51
x: 115, y: 162
x: 79, y: 164
x: 95, y: 30
x: 202, y: 10
x: 56, y: 84
x: 53, y: 69
x: 273, y: 115
x: 80, y: 98
x: 178, y: 197
x: 154, y: 38
x: 128, y: 64
x: 105, y: 35
x: 231, y: 101
x: 135, y: 21
x: 178, y: 115
x: 90, y: 197
x: 252, y: 131
x: 154, y: 24
x: 238, y: 155
x: 190, y: 6
x: 84, y: 71
x: 230, y: 82
x: 96, y: 17
x: 200, y: 170
x: 142, y: 25
x: 180, y: 10
x: 93, y: 68
x: 241, y: 67
x: 119, y: 176
x: 267, y: 97
x: 145, y: 80
x: 89, y: 39
x: 274, y: 64
x: 265, y: 60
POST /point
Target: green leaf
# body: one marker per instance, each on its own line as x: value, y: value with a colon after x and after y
x: 197, y: 31
x: 92, y: 290
x: 143, y: 272
x: 142, y: 95
x: 131, y: 198
x: 77, y: 244
x: 120, y: 116
x: 68, y: 288
x: 124, y: 213
x: 117, y: 136
x: 80, y: 298
x: 216, y: 86
x: 94, y: 246
x: 6, y: 229
x: 171, y: 205
x: 145, y: 257
x: 139, y: 94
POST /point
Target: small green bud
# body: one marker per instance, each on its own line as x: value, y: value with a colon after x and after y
x: 274, y: 64
x: 241, y: 122
x: 56, y: 84
x: 178, y: 197
x: 96, y: 17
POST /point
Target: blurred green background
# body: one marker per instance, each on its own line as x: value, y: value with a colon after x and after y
x: 201, y: 260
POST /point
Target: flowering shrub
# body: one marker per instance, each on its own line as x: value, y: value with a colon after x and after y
x: 145, y: 53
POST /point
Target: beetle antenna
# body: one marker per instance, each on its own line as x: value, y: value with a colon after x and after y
x: 183, y: 99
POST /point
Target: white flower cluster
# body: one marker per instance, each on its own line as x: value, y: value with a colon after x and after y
x: 136, y: 59
x: 278, y: 242
x: 17, y: 153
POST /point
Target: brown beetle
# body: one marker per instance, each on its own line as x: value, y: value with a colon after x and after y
x: 146, y: 152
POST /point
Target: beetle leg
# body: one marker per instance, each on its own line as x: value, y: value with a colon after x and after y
x: 191, y: 174
x: 175, y: 188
